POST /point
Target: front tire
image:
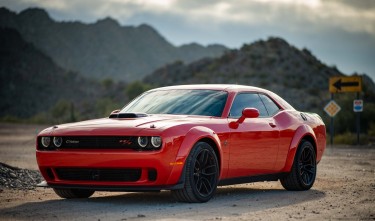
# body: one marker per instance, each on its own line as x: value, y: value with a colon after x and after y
x: 201, y: 175
x: 303, y: 173
x: 73, y: 193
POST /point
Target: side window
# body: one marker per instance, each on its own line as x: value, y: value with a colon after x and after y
x: 271, y: 107
x: 244, y: 100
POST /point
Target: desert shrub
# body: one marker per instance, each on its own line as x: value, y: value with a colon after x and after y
x: 350, y: 138
x: 136, y: 88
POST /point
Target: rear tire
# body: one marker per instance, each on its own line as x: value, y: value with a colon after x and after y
x: 201, y: 175
x: 303, y: 173
x: 73, y: 193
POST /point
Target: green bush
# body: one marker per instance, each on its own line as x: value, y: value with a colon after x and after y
x: 105, y: 106
x: 350, y: 139
x: 136, y: 88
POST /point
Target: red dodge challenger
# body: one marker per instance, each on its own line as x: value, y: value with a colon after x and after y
x: 188, y: 139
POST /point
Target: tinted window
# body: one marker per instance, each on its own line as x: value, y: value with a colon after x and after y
x: 244, y: 100
x: 271, y: 107
x: 185, y: 102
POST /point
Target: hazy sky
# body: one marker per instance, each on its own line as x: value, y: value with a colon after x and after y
x: 340, y: 33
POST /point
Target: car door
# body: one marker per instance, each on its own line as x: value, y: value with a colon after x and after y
x: 254, y: 144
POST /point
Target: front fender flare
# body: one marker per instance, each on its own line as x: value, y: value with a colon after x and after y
x: 192, y: 137
x: 301, y: 132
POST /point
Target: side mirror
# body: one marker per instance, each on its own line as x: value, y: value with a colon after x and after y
x: 114, y: 114
x: 246, y: 113
x: 250, y: 113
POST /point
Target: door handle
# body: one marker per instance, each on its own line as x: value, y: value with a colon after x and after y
x: 272, y: 125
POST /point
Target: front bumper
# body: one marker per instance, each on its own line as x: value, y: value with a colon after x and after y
x: 156, y: 170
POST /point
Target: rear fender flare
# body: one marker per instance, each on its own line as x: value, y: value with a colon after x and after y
x: 301, y: 132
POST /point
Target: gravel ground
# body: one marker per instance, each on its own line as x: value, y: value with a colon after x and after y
x: 344, y: 190
x: 16, y: 178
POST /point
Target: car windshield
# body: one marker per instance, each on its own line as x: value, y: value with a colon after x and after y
x: 180, y: 102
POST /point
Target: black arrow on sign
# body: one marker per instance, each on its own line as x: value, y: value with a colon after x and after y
x: 338, y: 84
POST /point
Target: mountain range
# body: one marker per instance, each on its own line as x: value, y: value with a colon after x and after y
x: 296, y: 75
x: 36, y: 87
x: 104, y: 49
x: 30, y: 82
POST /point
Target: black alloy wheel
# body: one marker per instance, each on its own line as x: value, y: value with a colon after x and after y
x: 201, y: 175
x: 303, y: 173
x: 307, y: 166
x: 205, y: 172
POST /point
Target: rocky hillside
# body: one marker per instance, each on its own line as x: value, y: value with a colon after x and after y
x: 295, y: 74
x: 31, y: 83
x: 104, y: 49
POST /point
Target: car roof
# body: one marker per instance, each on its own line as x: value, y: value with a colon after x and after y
x: 222, y: 87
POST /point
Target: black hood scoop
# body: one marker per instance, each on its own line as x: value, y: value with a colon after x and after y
x: 127, y: 115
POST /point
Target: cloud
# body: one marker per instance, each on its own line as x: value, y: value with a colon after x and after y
x: 353, y: 16
x: 359, y: 4
x: 340, y: 32
x: 305, y: 14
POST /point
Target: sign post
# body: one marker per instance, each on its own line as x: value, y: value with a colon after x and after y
x: 341, y: 85
x: 358, y: 108
x: 332, y: 108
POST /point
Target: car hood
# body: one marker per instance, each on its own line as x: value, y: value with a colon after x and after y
x: 117, y: 126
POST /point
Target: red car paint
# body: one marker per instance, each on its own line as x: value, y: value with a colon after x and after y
x: 258, y: 146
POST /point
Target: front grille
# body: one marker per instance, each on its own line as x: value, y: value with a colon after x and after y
x: 79, y: 174
x: 91, y: 142
x: 95, y: 142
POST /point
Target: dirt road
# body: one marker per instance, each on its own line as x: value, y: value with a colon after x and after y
x: 344, y: 189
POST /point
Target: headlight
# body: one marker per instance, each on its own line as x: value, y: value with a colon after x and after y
x: 57, y: 141
x: 156, y: 141
x: 142, y: 141
x: 46, y: 141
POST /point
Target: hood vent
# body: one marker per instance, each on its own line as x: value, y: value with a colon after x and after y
x: 127, y: 115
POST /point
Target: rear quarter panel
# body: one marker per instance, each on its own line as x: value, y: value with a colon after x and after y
x: 293, y: 129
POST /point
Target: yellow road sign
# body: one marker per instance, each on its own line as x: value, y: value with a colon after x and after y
x: 345, y: 84
x: 332, y: 108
